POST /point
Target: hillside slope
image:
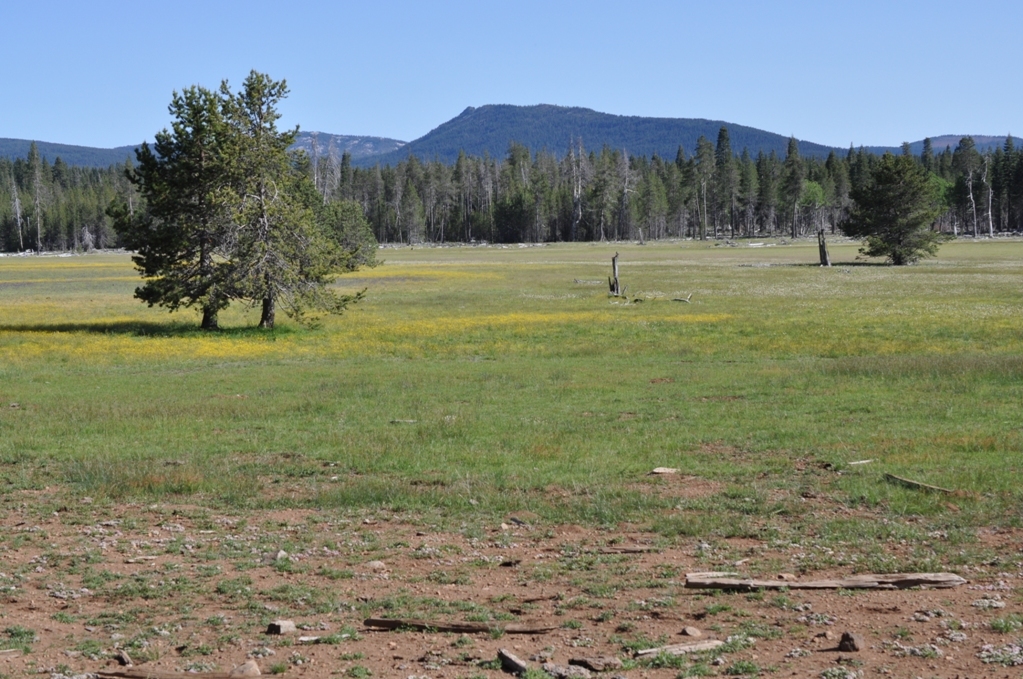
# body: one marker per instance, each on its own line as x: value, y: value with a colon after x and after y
x: 87, y: 156
x: 490, y: 129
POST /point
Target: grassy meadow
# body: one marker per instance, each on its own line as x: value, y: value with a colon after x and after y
x: 476, y: 381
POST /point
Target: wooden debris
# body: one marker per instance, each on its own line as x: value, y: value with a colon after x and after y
x: 710, y: 574
x: 511, y: 662
x: 889, y: 581
x: 916, y: 485
x: 142, y: 673
x: 460, y: 627
x: 537, y: 599
x: 683, y: 299
x: 861, y: 462
x: 627, y: 549
x: 681, y: 649
x: 10, y: 650
x: 123, y: 658
x: 663, y: 470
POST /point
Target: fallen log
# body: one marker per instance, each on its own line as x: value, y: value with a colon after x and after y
x: 681, y: 649
x: 142, y: 673
x: 460, y: 627
x: 917, y: 485
x: 627, y: 549
x: 888, y: 581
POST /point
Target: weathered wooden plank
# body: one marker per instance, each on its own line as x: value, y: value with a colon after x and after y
x: 884, y: 581
x: 460, y: 627
x: 681, y: 649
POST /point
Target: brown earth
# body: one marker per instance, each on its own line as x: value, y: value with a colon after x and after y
x: 187, y: 588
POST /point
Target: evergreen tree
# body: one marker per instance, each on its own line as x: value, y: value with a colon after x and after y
x: 182, y: 240
x: 704, y: 163
x: 281, y: 257
x: 725, y: 181
x: 894, y: 212
x: 792, y: 183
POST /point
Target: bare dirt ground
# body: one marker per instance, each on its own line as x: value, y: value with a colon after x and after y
x: 182, y: 588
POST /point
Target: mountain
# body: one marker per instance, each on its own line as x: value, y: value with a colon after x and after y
x: 336, y: 144
x: 489, y: 129
x: 88, y: 156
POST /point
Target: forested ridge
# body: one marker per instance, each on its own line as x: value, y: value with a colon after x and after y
x: 579, y: 194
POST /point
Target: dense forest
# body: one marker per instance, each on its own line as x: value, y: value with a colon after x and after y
x: 710, y: 192
x: 706, y: 192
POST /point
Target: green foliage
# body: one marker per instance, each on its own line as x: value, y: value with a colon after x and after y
x: 894, y: 212
x: 229, y: 213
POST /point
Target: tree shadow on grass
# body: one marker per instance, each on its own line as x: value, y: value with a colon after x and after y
x: 142, y: 329
x: 838, y: 265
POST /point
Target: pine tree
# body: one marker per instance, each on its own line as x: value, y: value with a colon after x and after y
x: 725, y: 181
x: 792, y: 182
x: 704, y: 163
x: 894, y: 211
x: 182, y: 239
x: 281, y: 257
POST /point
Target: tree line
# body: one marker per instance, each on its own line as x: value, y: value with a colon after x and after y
x: 710, y: 192
x: 56, y: 206
x: 538, y: 196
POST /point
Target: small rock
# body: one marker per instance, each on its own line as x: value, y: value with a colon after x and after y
x: 511, y: 662
x: 246, y: 669
x: 563, y: 672
x: 281, y: 555
x: 786, y: 576
x: 376, y: 566
x: 663, y: 470
x: 851, y: 643
x: 523, y: 518
x: 692, y: 632
x: 599, y: 664
x: 281, y: 627
x: 828, y: 634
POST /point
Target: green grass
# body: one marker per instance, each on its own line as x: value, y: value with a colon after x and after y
x: 474, y: 382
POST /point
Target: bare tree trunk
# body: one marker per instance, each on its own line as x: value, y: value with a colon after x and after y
x: 39, y: 211
x: 613, y: 282
x: 822, y: 246
x: 973, y: 203
x: 990, y: 224
x: 17, y: 213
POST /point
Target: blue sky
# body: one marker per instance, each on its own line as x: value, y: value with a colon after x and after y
x: 832, y: 71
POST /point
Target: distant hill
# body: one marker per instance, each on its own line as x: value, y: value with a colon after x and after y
x: 337, y: 144
x: 983, y: 142
x: 88, y: 156
x: 490, y: 129
x: 72, y: 155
